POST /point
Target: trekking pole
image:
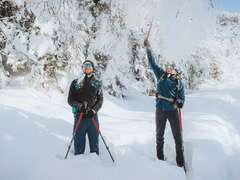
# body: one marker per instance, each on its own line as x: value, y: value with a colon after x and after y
x: 149, y: 30
x: 180, y: 119
x: 74, y: 134
x: 99, y: 132
x: 181, y: 129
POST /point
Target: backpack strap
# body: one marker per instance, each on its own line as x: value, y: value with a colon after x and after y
x: 177, y: 87
x: 163, y: 76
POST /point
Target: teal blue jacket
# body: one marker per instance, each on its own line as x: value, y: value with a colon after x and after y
x: 166, y: 86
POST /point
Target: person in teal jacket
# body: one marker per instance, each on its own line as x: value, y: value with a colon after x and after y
x: 170, y: 96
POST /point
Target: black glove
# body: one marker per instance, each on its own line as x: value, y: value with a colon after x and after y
x: 91, y: 113
x: 179, y: 103
x: 81, y: 108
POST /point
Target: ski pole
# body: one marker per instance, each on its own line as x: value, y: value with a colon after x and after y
x: 180, y: 119
x: 149, y: 30
x: 74, y: 133
x: 99, y: 132
x: 181, y: 129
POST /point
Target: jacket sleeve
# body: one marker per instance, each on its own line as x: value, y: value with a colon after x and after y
x: 158, y: 71
x: 71, y: 101
x: 181, y: 92
x: 97, y: 106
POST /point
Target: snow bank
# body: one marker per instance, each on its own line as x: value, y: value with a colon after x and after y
x: 34, y: 135
x: 36, y: 128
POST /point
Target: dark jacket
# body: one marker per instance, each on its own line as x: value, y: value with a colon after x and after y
x: 166, y: 86
x: 86, y: 89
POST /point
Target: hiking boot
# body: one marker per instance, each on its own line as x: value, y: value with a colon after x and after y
x: 180, y: 158
x: 160, y: 154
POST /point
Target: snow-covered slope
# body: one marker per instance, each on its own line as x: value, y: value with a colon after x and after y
x: 35, y: 129
x: 224, y: 49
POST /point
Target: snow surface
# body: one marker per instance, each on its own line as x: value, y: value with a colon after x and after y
x: 36, y: 128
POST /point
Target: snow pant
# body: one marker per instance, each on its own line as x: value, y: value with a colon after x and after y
x: 161, y: 119
x: 86, y: 128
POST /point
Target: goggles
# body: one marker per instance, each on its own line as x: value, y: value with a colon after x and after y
x: 169, y: 67
x: 87, y: 65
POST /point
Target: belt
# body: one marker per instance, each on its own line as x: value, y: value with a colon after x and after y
x: 165, y: 98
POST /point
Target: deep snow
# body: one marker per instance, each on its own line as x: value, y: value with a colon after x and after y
x: 36, y: 128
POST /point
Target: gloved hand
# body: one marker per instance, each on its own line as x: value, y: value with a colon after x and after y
x: 91, y: 113
x: 146, y: 43
x: 81, y: 108
x: 179, y: 103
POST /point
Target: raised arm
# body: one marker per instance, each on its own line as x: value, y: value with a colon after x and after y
x: 158, y: 71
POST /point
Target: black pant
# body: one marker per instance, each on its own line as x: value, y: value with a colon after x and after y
x: 161, y: 119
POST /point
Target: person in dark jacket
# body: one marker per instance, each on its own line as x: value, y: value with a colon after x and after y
x: 170, y: 96
x: 86, y: 96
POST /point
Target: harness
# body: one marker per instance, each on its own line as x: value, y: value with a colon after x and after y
x: 162, y: 77
x: 177, y: 88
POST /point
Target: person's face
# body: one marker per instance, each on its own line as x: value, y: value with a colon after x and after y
x: 87, y: 68
x: 169, y: 70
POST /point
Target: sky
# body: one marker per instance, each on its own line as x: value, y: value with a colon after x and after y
x: 229, y: 5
